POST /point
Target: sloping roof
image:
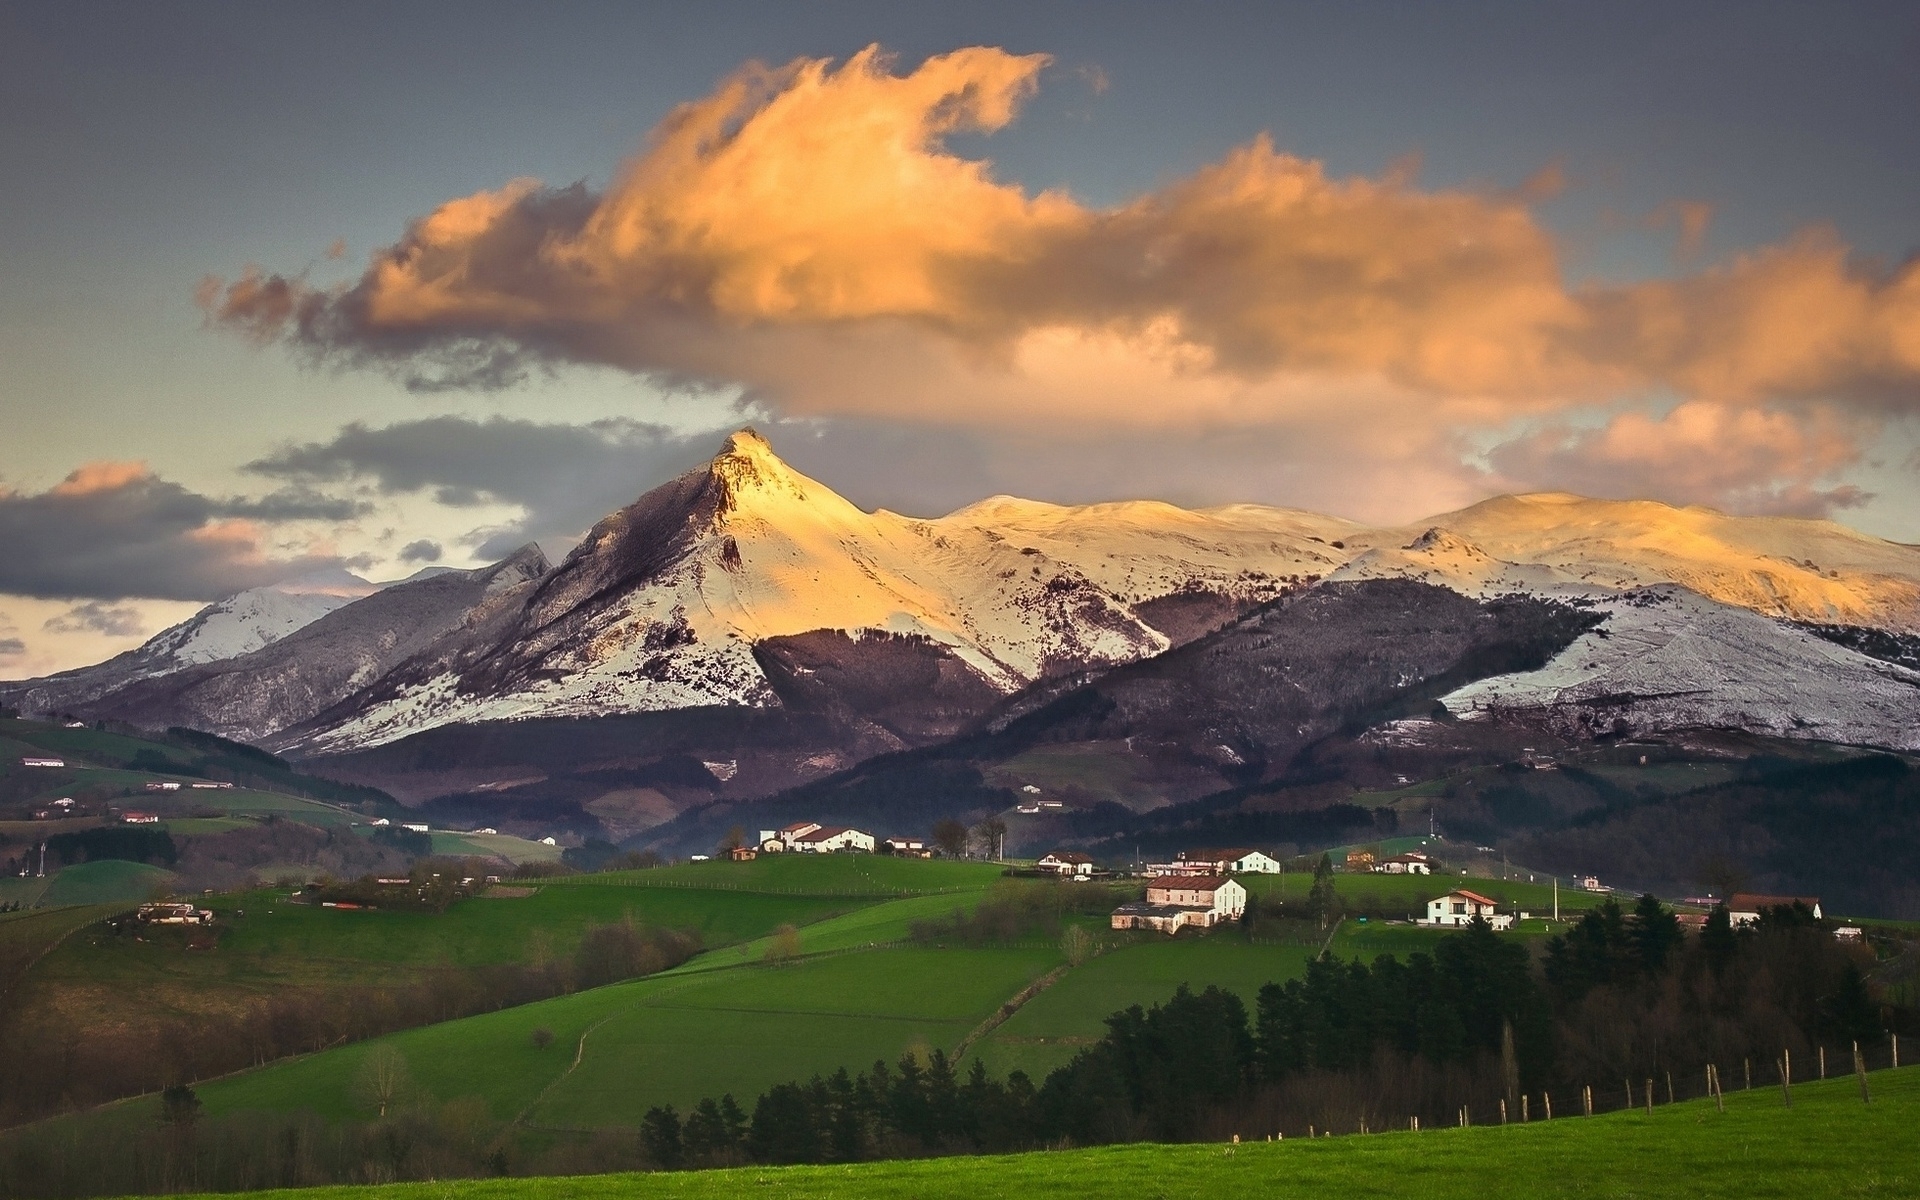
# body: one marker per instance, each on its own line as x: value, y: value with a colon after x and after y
x: 1476, y: 897
x: 1410, y: 856
x: 1188, y: 883
x: 797, y: 826
x: 1754, y: 902
x: 1230, y: 854
x: 824, y: 833
x: 1066, y: 856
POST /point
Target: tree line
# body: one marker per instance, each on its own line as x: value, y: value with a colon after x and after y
x: 1349, y: 1045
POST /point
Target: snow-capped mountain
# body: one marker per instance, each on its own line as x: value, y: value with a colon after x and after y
x: 348, y: 644
x: 744, y: 585
x: 665, y: 602
x: 240, y: 624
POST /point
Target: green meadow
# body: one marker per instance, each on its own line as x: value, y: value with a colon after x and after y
x: 1827, y: 1144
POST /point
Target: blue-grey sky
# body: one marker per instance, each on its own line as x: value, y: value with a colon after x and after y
x: 1347, y: 364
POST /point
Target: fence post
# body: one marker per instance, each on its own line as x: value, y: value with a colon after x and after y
x: 1548, y: 1098
x: 1896, y: 1051
x: 1503, y: 1110
x: 1823, y: 1062
x: 1526, y: 1109
x: 1860, y: 1069
x: 1786, y: 1081
x: 1749, y: 1065
x: 1649, y: 1097
x: 1586, y: 1098
x: 1669, y: 1087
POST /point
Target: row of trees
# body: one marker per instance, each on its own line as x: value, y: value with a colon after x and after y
x: 1350, y: 1045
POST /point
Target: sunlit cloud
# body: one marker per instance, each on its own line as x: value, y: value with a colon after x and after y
x: 806, y: 233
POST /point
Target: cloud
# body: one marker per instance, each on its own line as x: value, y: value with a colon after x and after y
x: 113, y: 530
x: 97, y: 616
x: 12, y: 648
x: 805, y: 232
x: 563, y: 477
x: 424, y: 550
x: 1750, y: 459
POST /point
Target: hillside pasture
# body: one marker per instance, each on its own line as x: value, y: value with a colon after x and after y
x: 1827, y: 1144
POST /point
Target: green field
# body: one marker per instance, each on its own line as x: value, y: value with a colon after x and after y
x: 1827, y: 1144
x: 1408, y: 894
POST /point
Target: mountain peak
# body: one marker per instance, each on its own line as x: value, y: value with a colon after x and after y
x: 747, y: 464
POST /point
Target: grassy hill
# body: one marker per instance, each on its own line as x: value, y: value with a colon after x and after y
x: 740, y: 1018
x: 1827, y: 1144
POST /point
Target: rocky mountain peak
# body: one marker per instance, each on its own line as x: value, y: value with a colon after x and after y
x: 747, y: 466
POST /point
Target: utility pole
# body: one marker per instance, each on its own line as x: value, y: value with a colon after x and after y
x: 1556, y: 899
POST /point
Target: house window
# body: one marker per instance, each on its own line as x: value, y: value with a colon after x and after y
x: 1459, y: 907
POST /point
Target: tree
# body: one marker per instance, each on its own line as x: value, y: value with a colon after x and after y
x: 993, y: 836
x: 660, y: 1134
x: 783, y: 1127
x: 736, y: 837
x: 542, y: 1038
x: 179, y: 1106
x: 951, y: 836
x: 1718, y: 940
x: 382, y: 1078
x: 1656, y: 933
x: 783, y: 945
x: 1076, y: 946
x: 1322, y: 901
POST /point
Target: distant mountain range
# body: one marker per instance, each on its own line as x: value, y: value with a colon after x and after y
x: 743, y: 629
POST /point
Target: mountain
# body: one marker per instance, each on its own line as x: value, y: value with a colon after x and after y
x: 714, y: 589
x: 229, y: 628
x: 742, y: 629
x: 252, y: 695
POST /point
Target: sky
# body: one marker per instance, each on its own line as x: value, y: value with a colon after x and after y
x: 386, y: 286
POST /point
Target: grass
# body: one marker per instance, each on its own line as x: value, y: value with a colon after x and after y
x: 1409, y: 894
x: 108, y: 881
x: 812, y: 874
x: 1828, y: 1144
x: 1055, y: 1025
x: 494, y: 845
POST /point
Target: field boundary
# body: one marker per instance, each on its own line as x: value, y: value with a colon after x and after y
x: 1005, y: 1012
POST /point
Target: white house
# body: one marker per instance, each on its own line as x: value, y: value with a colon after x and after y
x: 1411, y: 863
x: 908, y: 847
x: 1745, y: 908
x: 417, y: 826
x: 31, y: 761
x: 827, y: 839
x: 1235, y: 860
x: 174, y: 914
x: 1460, y: 907
x: 1067, y: 863
x: 140, y: 818
x: 1174, y: 901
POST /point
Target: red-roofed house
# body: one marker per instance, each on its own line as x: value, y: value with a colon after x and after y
x: 826, y: 839
x: 1460, y: 907
x: 1177, y: 900
x: 1744, y: 908
x: 1069, y: 863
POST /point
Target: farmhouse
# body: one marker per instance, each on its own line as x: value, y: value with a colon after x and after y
x: 416, y: 826
x: 1411, y: 863
x: 211, y: 787
x: 174, y: 914
x: 1067, y: 863
x: 908, y: 847
x: 31, y: 761
x: 1460, y: 907
x: 742, y: 853
x: 140, y: 818
x: 1236, y: 860
x: 1360, y: 860
x: 1174, y: 901
x: 827, y: 839
x: 157, y: 785
x: 1745, y: 907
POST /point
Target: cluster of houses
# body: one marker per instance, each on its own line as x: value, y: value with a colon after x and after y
x: 811, y: 837
x: 160, y: 913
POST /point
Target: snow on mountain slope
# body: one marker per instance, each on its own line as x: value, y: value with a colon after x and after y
x: 1805, y: 570
x: 245, y: 622
x: 661, y: 605
x: 1670, y: 658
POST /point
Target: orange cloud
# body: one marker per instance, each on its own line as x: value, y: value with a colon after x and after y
x: 805, y: 232
x: 105, y: 476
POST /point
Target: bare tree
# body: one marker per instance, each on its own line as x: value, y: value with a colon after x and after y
x: 382, y: 1078
x: 993, y: 836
